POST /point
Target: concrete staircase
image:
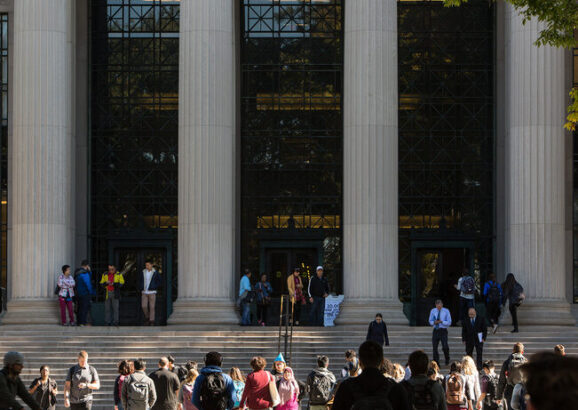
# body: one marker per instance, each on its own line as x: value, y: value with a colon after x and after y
x: 58, y: 346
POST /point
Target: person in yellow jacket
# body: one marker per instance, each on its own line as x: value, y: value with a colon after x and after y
x: 112, y: 281
x: 295, y: 287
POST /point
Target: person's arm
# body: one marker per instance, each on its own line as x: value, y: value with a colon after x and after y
x: 248, y: 383
x: 464, y: 332
x: 309, y: 288
x: 26, y: 397
x: 124, y: 393
x: 6, y: 396
x: 459, y: 284
x: 369, y: 330
x: 501, y: 294
x: 385, y: 334
x: 152, y: 394
x: 432, y: 318
x: 34, y: 385
x: 484, y: 329
x: 104, y: 279
x: 95, y: 383
x: 325, y: 288
x: 446, y: 318
x: 502, y: 380
x: 121, y: 279
x: 232, y: 394
x: 196, y: 399
x: 115, y: 392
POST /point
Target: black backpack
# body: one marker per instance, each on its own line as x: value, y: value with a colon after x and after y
x: 321, y: 389
x: 376, y: 400
x: 213, y: 394
x: 494, y: 293
x: 420, y: 395
x: 492, y: 389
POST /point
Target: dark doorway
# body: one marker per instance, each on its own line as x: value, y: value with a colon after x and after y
x: 130, y: 262
x: 435, y: 273
x: 281, y: 262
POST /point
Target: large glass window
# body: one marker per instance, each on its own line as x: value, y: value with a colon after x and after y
x: 575, y: 188
x: 292, y: 132
x: 134, y: 112
x: 446, y: 130
x: 3, y: 151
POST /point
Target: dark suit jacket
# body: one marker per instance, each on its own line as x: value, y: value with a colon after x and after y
x: 470, y: 334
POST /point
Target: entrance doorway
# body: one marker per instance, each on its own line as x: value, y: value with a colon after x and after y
x: 130, y: 261
x: 279, y: 264
x: 435, y: 272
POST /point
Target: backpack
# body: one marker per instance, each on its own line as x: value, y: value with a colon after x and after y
x: 513, y: 376
x: 492, y: 389
x: 455, y: 389
x: 250, y: 297
x: 468, y: 285
x: 213, y: 392
x: 137, y: 390
x: 518, y: 294
x: 320, y: 389
x: 377, y: 400
x: 493, y: 293
x: 420, y: 395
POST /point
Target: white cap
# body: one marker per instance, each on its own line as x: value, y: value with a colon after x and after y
x: 319, y: 267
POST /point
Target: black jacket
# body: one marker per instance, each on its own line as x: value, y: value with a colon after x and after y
x: 378, y: 333
x: 318, y: 287
x: 156, y: 281
x: 10, y: 388
x: 470, y: 334
x: 368, y: 382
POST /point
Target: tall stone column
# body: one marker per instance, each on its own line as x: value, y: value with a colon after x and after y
x: 370, y: 190
x: 206, y: 163
x: 535, y: 108
x: 41, y: 158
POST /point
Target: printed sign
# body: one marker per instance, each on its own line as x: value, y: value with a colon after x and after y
x: 332, y: 304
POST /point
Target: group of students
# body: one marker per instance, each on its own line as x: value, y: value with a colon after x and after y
x: 547, y: 381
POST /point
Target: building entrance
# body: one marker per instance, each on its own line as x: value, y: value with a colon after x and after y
x: 279, y: 264
x: 434, y: 274
x: 130, y: 261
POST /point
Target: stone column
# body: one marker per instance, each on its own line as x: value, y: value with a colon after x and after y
x: 370, y: 183
x: 535, y: 108
x: 207, y: 144
x: 41, y: 158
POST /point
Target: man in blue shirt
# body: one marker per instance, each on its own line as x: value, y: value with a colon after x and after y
x: 244, y: 290
x: 440, y: 319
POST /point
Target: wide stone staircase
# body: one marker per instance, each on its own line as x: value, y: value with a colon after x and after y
x: 58, y: 346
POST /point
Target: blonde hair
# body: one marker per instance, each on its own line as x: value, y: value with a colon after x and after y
x: 192, y: 375
x: 468, y: 366
x: 398, y: 372
x: 236, y: 374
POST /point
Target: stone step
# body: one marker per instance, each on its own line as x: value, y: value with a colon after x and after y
x: 57, y: 346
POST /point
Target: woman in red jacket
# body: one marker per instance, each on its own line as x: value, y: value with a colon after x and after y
x: 256, y: 395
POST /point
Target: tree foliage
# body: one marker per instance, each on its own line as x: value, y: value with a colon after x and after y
x: 559, y: 19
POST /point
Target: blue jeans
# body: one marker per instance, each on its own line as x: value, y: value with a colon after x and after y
x: 440, y: 335
x: 246, y: 316
x: 317, y: 311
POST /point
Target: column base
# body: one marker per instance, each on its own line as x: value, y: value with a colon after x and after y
x: 32, y: 312
x: 362, y: 311
x: 545, y: 313
x: 203, y: 312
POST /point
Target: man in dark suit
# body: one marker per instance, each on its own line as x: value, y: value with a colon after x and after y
x: 474, y: 332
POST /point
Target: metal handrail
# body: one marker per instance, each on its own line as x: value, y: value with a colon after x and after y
x: 286, y: 321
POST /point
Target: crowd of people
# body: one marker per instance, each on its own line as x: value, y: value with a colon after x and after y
x: 368, y: 380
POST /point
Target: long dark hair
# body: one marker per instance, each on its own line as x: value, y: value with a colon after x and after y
x: 508, y: 284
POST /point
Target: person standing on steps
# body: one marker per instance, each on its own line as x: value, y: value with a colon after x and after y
x: 149, y: 283
x: 245, y: 297
x: 440, y: 319
x: 474, y: 333
x: 112, y: 281
x: 295, y: 288
x: 318, y: 291
x: 493, y: 298
x: 378, y: 331
x: 81, y: 380
x: 467, y: 287
x: 514, y: 294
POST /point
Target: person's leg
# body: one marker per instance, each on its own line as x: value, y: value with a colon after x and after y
x: 70, y: 311
x: 265, y: 309
x: 88, y: 405
x: 108, y: 310
x: 463, y: 312
x: 435, y: 340
x: 514, y: 313
x: 62, y: 310
x: 259, y: 312
x: 470, y: 349
x: 445, y: 346
x: 321, y: 312
x: 152, y: 308
x: 312, y: 313
x: 82, y: 310
x: 115, y: 304
x: 297, y: 313
x: 145, y: 307
x: 479, y: 352
x: 246, y: 318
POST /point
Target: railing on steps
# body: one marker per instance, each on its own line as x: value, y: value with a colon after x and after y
x: 286, y: 310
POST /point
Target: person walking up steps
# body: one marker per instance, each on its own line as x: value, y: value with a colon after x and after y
x: 138, y: 390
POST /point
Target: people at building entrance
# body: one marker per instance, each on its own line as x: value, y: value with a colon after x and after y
x: 112, y: 282
x: 44, y: 389
x: 318, y: 290
x: 264, y: 291
x: 467, y: 287
x: 66, y: 284
x: 493, y: 299
x: 11, y: 385
x: 474, y: 333
x: 377, y: 331
x: 440, y: 319
x: 245, y: 296
x: 514, y: 294
x: 81, y: 380
x: 295, y: 288
x: 149, y: 283
x: 84, y: 294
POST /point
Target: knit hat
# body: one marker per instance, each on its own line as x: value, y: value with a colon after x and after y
x: 279, y: 358
x: 12, y: 358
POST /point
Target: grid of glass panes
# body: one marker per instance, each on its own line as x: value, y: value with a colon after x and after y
x: 291, y: 126
x: 3, y: 150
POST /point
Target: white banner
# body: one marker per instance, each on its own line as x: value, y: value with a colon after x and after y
x: 332, y: 304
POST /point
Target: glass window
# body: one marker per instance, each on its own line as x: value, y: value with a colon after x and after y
x: 3, y: 151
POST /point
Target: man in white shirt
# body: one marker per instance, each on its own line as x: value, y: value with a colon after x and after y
x: 440, y: 319
x: 467, y: 288
x: 149, y: 283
